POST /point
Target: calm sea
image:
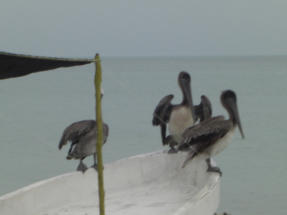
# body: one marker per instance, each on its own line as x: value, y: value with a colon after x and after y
x: 35, y: 109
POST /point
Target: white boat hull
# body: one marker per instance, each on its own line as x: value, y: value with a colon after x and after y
x: 153, y: 184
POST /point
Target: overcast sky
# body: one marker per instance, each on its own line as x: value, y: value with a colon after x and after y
x: 79, y: 28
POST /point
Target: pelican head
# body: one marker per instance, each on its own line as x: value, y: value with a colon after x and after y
x: 229, y: 101
x: 184, y: 83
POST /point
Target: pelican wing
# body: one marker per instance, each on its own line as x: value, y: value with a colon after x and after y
x: 162, y: 111
x: 204, y: 135
x: 105, y: 132
x: 206, y: 131
x: 85, y: 145
x: 203, y: 111
x: 75, y: 131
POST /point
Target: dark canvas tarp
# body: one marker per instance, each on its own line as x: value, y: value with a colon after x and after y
x: 15, y: 65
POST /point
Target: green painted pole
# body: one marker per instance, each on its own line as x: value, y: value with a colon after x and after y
x: 97, y: 83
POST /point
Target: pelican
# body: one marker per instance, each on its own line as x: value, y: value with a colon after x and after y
x: 83, y: 138
x: 180, y: 116
x: 211, y: 136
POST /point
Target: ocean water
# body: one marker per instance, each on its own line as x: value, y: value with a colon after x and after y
x: 35, y: 109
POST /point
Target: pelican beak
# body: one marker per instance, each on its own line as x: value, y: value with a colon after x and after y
x: 240, y: 127
x: 184, y: 83
x: 237, y: 119
x: 187, y: 92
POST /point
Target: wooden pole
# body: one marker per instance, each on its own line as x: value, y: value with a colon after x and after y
x: 97, y: 83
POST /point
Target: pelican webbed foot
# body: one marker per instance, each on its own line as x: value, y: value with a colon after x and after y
x: 214, y: 169
x: 82, y: 167
x: 170, y: 141
x: 211, y: 168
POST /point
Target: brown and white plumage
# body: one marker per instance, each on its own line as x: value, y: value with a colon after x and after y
x: 83, y: 137
x: 180, y: 116
x: 211, y: 136
x: 175, y: 117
